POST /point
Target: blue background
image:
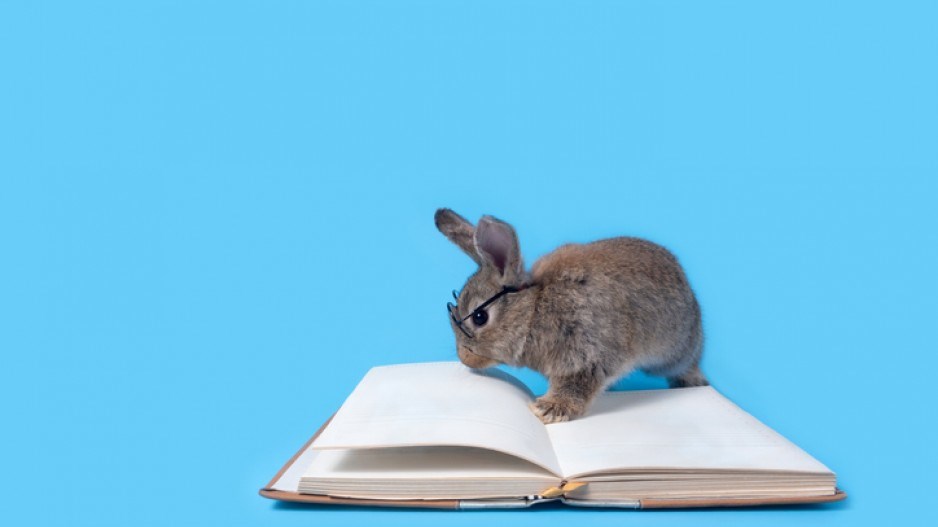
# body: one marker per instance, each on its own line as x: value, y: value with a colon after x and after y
x: 215, y: 218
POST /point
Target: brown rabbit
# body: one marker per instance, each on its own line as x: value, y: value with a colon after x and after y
x: 584, y: 316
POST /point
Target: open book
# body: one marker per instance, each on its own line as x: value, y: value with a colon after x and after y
x: 443, y: 434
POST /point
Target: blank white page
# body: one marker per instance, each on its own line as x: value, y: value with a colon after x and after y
x: 442, y: 463
x: 437, y: 472
x: 442, y: 403
x: 692, y: 429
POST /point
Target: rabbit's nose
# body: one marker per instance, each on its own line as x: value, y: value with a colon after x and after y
x: 472, y: 359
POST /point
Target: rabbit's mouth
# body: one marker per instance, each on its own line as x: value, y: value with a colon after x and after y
x: 472, y: 359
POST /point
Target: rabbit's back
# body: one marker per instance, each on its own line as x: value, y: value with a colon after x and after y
x: 612, y: 302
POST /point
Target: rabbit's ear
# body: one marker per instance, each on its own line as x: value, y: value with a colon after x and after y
x: 458, y: 230
x: 497, y: 244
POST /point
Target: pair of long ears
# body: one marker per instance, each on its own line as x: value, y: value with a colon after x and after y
x: 491, y: 243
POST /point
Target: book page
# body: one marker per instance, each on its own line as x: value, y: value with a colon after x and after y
x: 428, y: 472
x: 688, y: 429
x: 439, y: 404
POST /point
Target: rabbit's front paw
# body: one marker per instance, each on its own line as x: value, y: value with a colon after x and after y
x: 550, y: 410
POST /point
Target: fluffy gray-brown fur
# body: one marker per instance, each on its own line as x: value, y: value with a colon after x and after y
x: 585, y: 315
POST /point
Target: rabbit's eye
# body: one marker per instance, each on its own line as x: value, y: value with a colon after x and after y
x: 480, y: 317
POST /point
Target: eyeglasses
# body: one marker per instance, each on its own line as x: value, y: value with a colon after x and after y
x: 478, y: 315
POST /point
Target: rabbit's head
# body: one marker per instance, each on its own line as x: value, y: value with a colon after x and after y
x: 492, y: 311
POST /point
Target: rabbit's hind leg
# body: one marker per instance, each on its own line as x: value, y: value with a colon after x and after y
x: 690, y: 377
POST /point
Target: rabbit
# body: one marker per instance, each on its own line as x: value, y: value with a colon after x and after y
x: 584, y: 316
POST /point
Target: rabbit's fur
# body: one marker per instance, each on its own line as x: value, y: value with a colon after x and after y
x: 585, y: 315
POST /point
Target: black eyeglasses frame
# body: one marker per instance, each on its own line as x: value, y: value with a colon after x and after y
x: 451, y: 308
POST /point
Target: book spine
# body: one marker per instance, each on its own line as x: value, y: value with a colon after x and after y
x: 501, y: 504
x: 620, y: 504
